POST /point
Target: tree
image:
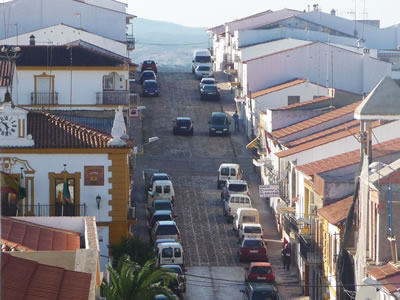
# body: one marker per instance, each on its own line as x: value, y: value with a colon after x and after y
x: 130, y: 281
x: 137, y: 250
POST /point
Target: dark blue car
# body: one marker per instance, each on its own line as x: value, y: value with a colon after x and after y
x: 150, y: 88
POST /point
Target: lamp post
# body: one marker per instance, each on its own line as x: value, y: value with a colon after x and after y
x: 10, y: 54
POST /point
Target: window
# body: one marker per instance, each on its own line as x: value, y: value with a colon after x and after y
x: 167, y: 189
x: 177, y: 252
x: 233, y: 172
x: 108, y: 82
x: 44, y: 89
x: 167, y: 252
x: 65, y: 194
x: 293, y: 100
x: 225, y: 171
x: 159, y: 189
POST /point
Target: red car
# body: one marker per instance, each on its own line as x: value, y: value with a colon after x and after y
x: 253, y: 250
x: 149, y: 65
x: 260, y: 272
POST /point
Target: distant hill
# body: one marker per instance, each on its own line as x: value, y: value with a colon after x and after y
x: 170, y: 45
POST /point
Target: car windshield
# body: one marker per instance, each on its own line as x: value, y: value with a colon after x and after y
x: 253, y: 243
x: 238, y: 187
x: 249, y: 219
x: 225, y: 171
x: 264, y: 295
x: 167, y: 230
x: 161, y: 218
x: 252, y: 229
x: 261, y: 270
x: 148, y: 75
x: 204, y: 68
x: 150, y: 84
x: 162, y: 206
x: 219, y: 121
x: 208, y: 81
x: 210, y: 88
x: 160, y: 177
x: 185, y: 123
x: 203, y: 59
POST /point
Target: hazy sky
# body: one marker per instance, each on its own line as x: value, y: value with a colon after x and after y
x: 209, y: 13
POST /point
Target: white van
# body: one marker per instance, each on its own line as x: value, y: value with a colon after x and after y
x: 170, y: 254
x: 201, y: 56
x: 234, y: 202
x: 226, y: 171
x: 245, y: 215
x: 250, y: 231
x: 160, y: 190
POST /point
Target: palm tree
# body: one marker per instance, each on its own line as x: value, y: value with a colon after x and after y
x: 130, y: 281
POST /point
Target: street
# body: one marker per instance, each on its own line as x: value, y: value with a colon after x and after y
x: 211, y: 248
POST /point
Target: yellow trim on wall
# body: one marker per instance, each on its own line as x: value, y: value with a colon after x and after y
x: 69, y: 68
x: 77, y: 192
x: 44, y: 75
x: 66, y: 150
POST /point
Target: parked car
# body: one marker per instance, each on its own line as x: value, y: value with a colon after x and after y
x: 218, y: 124
x: 234, y: 186
x: 147, y: 75
x: 176, y: 286
x: 183, y: 125
x: 161, y: 189
x: 178, y: 270
x: 253, y: 250
x: 253, y: 291
x: 151, y: 175
x: 149, y: 65
x: 159, y: 241
x: 170, y: 253
x: 203, y: 70
x: 245, y: 215
x: 234, y: 202
x: 260, y: 272
x: 250, y: 230
x: 163, y: 297
x: 165, y: 230
x: 227, y: 171
x: 206, y: 80
x: 160, y: 215
x: 160, y: 205
x: 209, y: 91
x: 150, y: 88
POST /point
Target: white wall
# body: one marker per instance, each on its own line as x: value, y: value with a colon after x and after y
x: 314, y: 62
x: 62, y: 34
x: 103, y: 236
x: 85, y: 85
x: 45, y: 163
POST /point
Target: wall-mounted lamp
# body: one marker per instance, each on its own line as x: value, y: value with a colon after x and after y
x: 98, y: 200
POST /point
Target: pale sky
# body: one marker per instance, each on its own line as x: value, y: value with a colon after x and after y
x: 210, y: 13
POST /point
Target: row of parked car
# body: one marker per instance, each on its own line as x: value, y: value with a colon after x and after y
x: 164, y: 232
x: 237, y: 207
x: 148, y: 78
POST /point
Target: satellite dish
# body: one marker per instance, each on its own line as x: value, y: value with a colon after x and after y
x: 369, y: 290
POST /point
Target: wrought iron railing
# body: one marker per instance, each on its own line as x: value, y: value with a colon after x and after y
x: 310, y: 250
x: 46, y: 210
x: 290, y: 224
x: 112, y: 97
x: 44, y: 98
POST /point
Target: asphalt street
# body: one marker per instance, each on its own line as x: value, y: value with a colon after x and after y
x: 211, y: 248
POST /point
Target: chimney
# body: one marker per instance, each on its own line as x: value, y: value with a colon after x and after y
x: 333, y: 12
x: 32, y: 40
x: 315, y: 6
x: 366, y: 51
x: 393, y: 247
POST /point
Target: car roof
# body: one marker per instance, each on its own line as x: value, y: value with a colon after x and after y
x: 237, y: 181
x: 170, y: 244
x: 160, y: 241
x: 159, y: 174
x: 231, y: 165
x: 163, y: 181
x: 248, y: 209
x: 253, y: 239
x: 251, y: 225
x: 161, y: 201
x: 149, y: 61
x: 163, y: 212
x: 150, y: 80
x: 148, y: 71
x: 238, y: 195
x: 260, y: 263
x: 162, y: 223
x: 218, y: 114
x: 183, y: 118
x: 171, y: 266
x: 263, y: 287
x: 205, y: 78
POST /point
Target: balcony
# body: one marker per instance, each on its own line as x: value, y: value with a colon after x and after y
x: 290, y: 224
x: 130, y: 42
x: 40, y: 210
x: 112, y: 97
x: 44, y: 98
x: 310, y: 250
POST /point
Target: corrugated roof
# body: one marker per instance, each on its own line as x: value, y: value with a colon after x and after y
x: 36, y: 237
x: 277, y: 87
x: 385, y: 171
x: 304, y: 103
x: 326, y: 136
x: 345, y: 110
x: 349, y: 158
x: 24, y: 279
x: 336, y: 213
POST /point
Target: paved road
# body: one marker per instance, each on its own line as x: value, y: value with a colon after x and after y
x: 209, y: 243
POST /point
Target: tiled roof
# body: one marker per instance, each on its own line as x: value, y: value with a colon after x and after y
x: 49, y: 131
x: 277, y: 88
x: 388, y: 275
x: 28, y: 280
x: 345, y: 110
x: 304, y: 103
x: 337, y: 212
x: 6, y: 73
x: 327, y: 136
x: 349, y: 158
x: 36, y: 237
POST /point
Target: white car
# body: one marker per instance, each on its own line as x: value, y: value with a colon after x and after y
x: 206, y: 80
x: 250, y: 231
x: 203, y: 70
x: 234, y: 202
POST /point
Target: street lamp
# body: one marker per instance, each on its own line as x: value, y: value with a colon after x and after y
x: 9, y: 53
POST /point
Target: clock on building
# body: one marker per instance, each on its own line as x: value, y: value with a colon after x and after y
x: 8, y: 126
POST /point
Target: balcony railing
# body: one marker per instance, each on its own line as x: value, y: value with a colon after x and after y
x: 112, y: 97
x: 130, y: 42
x: 310, y: 250
x: 290, y: 224
x: 44, y: 98
x: 46, y: 210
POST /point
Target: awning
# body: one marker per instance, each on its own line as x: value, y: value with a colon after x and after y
x: 252, y: 144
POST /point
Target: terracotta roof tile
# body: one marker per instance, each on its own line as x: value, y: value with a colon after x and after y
x: 334, y: 114
x: 37, y: 237
x: 349, y: 158
x: 304, y: 103
x: 29, y: 280
x: 337, y: 212
x: 325, y: 138
x: 277, y: 88
x: 381, y: 272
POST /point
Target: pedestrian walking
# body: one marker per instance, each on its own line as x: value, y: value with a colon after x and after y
x: 236, y: 119
x: 286, y: 254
